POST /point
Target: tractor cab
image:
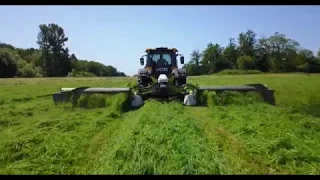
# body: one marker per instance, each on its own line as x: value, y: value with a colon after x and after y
x: 161, y: 61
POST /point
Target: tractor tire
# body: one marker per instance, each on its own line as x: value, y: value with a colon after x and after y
x: 181, y: 81
x: 143, y: 81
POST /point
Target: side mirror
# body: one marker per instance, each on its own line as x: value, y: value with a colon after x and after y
x: 182, y: 60
x: 141, y: 61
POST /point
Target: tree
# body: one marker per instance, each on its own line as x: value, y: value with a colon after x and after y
x: 193, y: 66
x: 283, y: 51
x: 8, y: 63
x: 247, y: 42
x: 231, y: 52
x: 51, y: 59
x: 55, y: 57
x: 245, y: 63
x: 211, y: 55
x: 276, y: 53
x: 262, y: 56
x: 195, y: 57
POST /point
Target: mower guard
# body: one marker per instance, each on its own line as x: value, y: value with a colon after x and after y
x: 266, y: 94
x: 155, y: 91
x: 65, y: 94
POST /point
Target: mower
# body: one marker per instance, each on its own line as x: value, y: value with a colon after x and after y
x: 161, y: 78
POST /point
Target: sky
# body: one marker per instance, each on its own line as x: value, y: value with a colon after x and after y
x: 119, y: 35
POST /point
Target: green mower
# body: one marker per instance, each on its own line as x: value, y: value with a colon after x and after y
x: 161, y: 78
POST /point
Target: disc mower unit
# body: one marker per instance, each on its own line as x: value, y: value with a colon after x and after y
x: 161, y: 78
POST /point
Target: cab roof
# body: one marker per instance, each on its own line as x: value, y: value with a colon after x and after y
x: 161, y: 49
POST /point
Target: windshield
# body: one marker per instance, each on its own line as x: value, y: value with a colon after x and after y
x: 164, y: 56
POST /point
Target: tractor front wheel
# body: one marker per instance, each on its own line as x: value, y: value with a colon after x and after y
x: 143, y: 81
x: 181, y: 81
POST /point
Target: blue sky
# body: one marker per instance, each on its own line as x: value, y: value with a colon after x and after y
x: 118, y: 35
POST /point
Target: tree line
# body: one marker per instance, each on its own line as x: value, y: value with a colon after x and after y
x: 51, y: 59
x: 277, y: 54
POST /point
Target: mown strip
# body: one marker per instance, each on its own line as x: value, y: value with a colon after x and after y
x: 161, y: 139
x: 261, y: 139
x: 40, y: 138
x: 232, y: 148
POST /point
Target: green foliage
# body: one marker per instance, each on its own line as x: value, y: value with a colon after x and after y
x: 52, y: 59
x: 8, y: 63
x: 245, y: 63
x: 276, y: 53
x: 30, y: 70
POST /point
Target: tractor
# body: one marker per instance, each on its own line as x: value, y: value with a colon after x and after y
x: 161, y: 61
x: 161, y: 76
x: 162, y: 79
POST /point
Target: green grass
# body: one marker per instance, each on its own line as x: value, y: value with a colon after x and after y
x: 235, y: 136
x: 238, y: 72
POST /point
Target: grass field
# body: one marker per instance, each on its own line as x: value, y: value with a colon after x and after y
x: 160, y: 138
